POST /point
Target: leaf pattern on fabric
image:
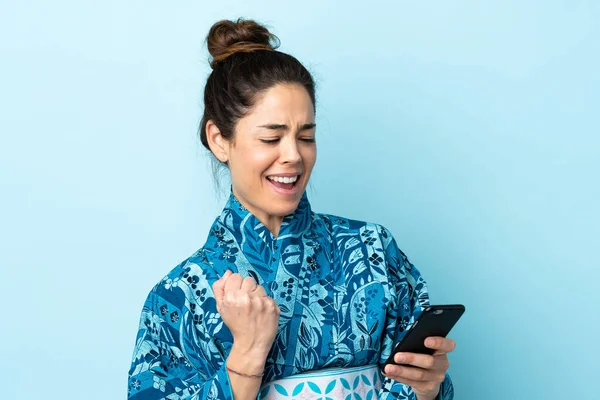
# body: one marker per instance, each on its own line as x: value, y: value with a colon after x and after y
x: 345, y: 290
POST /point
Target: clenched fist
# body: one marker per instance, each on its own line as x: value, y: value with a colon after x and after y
x: 251, y: 315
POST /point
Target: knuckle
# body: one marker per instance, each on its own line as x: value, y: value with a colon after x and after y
x: 273, y: 306
x: 234, y: 279
x: 256, y: 304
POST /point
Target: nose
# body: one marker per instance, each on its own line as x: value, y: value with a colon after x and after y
x: 289, y: 152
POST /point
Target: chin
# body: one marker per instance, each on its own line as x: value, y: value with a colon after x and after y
x: 281, y: 208
x: 285, y: 209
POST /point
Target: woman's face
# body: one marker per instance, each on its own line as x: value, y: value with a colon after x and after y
x: 273, y: 153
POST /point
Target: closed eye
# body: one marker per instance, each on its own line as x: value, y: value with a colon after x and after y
x: 269, y: 141
x: 273, y: 141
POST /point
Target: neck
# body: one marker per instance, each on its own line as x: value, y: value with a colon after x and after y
x: 271, y: 222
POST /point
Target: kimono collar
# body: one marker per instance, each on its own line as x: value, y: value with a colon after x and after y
x: 244, y: 225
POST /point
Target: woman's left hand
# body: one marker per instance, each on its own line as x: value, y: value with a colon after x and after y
x: 423, y: 372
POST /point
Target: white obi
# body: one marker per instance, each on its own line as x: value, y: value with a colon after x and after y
x: 356, y: 383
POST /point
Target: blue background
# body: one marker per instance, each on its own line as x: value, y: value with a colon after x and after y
x: 469, y: 129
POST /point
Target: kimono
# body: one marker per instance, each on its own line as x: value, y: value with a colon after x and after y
x: 346, y: 293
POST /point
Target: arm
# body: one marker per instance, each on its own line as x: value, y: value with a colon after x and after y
x: 163, y: 365
x: 252, y: 318
x: 409, y: 297
x: 176, y: 356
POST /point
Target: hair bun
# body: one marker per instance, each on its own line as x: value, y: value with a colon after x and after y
x: 228, y: 37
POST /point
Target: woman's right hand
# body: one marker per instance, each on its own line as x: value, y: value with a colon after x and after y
x: 251, y: 315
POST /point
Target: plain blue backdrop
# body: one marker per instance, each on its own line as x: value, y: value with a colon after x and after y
x: 470, y: 129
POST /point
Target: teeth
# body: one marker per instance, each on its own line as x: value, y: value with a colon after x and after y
x: 282, y: 179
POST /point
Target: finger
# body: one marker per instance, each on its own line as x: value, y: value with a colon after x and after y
x: 259, y: 291
x: 248, y: 284
x: 442, y: 345
x: 258, y: 303
x: 227, y: 274
x: 269, y: 305
x: 412, y: 373
x: 237, y: 299
x: 273, y: 305
x: 234, y: 282
x: 424, y: 361
x: 219, y: 286
x: 421, y: 386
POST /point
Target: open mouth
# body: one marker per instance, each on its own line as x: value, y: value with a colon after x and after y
x: 284, y: 183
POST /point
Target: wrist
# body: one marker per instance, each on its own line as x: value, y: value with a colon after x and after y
x: 254, y: 348
x: 250, y: 362
x: 233, y: 371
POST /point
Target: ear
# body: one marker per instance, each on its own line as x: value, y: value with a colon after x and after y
x: 218, y: 145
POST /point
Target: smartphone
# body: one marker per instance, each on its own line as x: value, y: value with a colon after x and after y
x: 433, y: 321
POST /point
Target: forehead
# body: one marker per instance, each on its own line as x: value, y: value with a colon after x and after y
x: 284, y: 101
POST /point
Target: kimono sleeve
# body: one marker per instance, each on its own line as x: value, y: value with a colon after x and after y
x: 409, y: 298
x: 169, y: 360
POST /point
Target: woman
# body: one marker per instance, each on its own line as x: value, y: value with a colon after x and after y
x: 281, y: 301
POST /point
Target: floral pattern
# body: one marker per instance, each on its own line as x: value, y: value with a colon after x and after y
x: 345, y: 290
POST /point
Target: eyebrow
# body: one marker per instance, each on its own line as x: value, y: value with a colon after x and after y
x: 284, y: 127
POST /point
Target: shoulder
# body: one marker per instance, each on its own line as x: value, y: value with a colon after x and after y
x: 377, y: 237
x: 342, y: 226
x: 189, y: 280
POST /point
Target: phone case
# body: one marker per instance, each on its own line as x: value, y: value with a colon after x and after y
x: 433, y: 321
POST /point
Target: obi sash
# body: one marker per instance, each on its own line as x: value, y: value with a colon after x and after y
x: 356, y: 383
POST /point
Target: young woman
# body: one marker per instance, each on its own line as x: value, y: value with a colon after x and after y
x: 281, y: 301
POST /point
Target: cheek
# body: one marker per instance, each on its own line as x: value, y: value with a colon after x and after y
x: 257, y: 162
x: 309, y: 157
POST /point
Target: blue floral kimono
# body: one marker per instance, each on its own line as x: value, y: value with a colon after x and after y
x: 345, y: 290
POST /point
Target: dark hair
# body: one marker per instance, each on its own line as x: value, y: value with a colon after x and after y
x: 245, y: 65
